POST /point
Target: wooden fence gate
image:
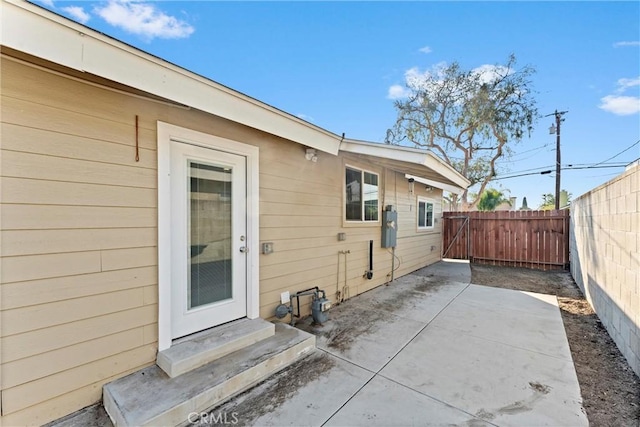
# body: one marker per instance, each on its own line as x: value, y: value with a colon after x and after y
x: 532, y: 239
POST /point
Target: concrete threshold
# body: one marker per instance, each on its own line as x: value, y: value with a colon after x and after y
x: 199, y: 349
x: 151, y: 397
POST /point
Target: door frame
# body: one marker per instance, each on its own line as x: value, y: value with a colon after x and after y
x: 166, y: 134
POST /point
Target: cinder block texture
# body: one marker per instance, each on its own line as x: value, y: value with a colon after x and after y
x: 604, y: 246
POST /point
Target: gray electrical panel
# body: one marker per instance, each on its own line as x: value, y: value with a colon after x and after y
x: 389, y: 228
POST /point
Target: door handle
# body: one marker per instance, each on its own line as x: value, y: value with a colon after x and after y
x: 244, y: 249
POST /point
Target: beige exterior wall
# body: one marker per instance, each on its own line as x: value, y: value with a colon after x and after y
x: 79, y: 234
x: 605, y: 257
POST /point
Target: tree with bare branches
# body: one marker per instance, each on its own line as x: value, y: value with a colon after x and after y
x: 470, y: 118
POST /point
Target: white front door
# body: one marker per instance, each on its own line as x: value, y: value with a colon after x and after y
x: 208, y: 238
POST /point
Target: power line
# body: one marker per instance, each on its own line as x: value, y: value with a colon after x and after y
x: 533, y: 149
x: 572, y: 165
x: 536, y: 153
x: 548, y: 171
x: 594, y: 167
x: 626, y: 149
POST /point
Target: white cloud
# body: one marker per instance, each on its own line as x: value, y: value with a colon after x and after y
x: 425, y: 49
x: 143, y: 19
x: 621, y: 105
x: 77, y: 13
x: 624, y: 84
x: 488, y: 73
x: 625, y: 44
x: 415, y: 78
x: 398, y: 92
x: 433, y: 78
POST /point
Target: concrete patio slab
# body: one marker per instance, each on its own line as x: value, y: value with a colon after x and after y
x: 478, y: 356
x: 483, y: 296
x: 369, y: 338
x: 454, y: 270
x: 305, y: 394
x: 520, y: 319
x: 500, y: 383
x: 426, y: 350
x: 417, y: 298
x: 386, y: 403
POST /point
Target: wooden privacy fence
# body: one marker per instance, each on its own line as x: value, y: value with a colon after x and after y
x: 532, y: 239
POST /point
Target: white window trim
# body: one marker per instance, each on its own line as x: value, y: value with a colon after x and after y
x: 433, y: 217
x: 166, y: 134
x: 344, y: 195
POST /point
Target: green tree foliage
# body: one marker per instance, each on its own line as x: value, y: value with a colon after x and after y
x: 491, y: 199
x: 467, y: 117
x: 549, y: 200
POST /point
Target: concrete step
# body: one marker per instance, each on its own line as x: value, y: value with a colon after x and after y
x: 150, y: 397
x: 199, y: 349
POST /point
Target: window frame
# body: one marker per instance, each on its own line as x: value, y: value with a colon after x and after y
x: 361, y: 221
x: 426, y: 201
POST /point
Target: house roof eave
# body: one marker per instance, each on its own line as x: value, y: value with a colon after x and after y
x: 36, y: 31
x: 417, y: 163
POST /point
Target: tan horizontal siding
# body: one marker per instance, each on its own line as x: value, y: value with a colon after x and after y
x: 38, y: 166
x: 49, y: 290
x: 283, y: 222
x: 300, y: 198
x: 43, y: 340
x: 34, y: 242
x: 55, y: 144
x: 51, y: 409
x: 283, y: 255
x: 119, y: 259
x: 291, y: 209
x: 62, y: 405
x: 42, y: 192
x: 307, y: 265
x: 296, y: 184
x: 33, y: 392
x: 92, y: 129
x: 296, y: 244
x: 43, y: 217
x: 31, y: 267
x: 67, y: 94
x: 268, y: 234
x: 35, y: 317
x: 42, y: 365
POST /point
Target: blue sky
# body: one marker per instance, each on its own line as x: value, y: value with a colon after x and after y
x: 334, y: 63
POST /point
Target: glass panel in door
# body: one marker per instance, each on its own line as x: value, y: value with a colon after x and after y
x: 210, y: 230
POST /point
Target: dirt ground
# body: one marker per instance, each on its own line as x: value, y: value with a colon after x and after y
x: 610, y: 389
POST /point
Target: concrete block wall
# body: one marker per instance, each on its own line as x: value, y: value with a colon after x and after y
x: 605, y: 260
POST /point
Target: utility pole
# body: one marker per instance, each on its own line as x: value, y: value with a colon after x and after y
x: 556, y: 129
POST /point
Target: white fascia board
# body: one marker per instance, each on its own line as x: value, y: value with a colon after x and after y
x: 33, y: 30
x: 436, y: 184
x: 408, y: 155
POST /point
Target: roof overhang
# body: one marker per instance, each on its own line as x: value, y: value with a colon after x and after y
x: 435, y: 184
x: 422, y: 165
x: 33, y: 30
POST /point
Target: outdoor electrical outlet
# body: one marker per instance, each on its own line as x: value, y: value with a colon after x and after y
x: 284, y: 297
x: 267, y: 248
